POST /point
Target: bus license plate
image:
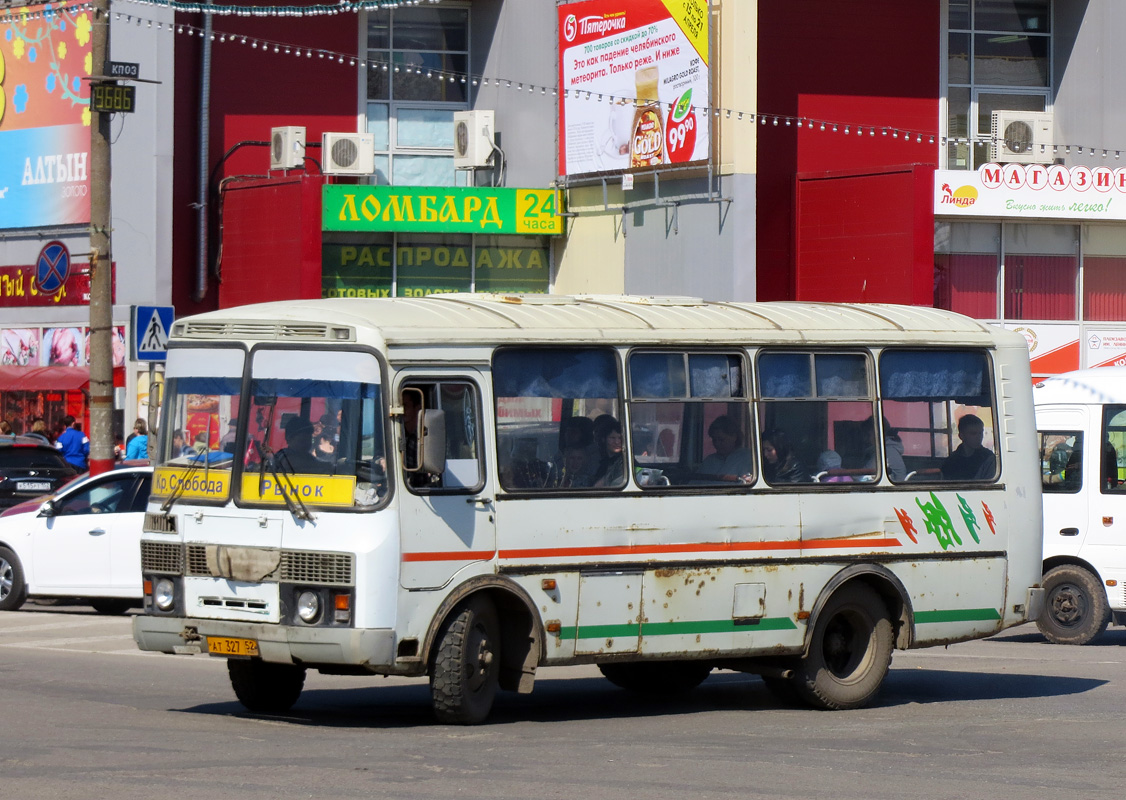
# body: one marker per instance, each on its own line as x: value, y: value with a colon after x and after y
x: 224, y: 646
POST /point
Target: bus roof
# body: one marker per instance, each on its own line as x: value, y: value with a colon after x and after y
x: 1096, y: 385
x: 540, y: 318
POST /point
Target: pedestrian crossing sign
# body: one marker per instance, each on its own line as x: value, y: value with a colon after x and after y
x: 151, y: 326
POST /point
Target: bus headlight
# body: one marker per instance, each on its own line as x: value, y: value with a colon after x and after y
x: 164, y: 594
x: 308, y: 607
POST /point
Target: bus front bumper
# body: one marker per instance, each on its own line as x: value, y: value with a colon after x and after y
x: 373, y: 648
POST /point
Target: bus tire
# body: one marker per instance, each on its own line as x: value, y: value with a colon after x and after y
x: 13, y: 588
x: 849, y: 653
x: 264, y: 687
x: 656, y: 677
x: 1075, y: 606
x: 465, y: 670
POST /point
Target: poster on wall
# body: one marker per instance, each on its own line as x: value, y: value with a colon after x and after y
x: 20, y: 347
x: 1052, y: 347
x: 44, y: 115
x: 1105, y: 348
x: 635, y: 84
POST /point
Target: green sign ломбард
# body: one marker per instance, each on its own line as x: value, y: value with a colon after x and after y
x: 418, y: 209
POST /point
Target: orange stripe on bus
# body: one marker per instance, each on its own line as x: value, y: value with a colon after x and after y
x: 643, y: 549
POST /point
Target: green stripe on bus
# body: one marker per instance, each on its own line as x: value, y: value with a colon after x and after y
x: 958, y: 615
x: 677, y: 628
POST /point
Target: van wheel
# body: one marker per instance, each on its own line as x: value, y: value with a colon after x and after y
x: 656, y: 677
x: 1075, y: 608
x: 464, y: 672
x: 13, y: 589
x: 264, y: 687
x: 849, y: 653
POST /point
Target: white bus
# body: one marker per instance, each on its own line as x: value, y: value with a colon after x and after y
x: 1081, y: 420
x: 470, y: 487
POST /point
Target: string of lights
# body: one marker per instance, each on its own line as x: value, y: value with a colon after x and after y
x: 764, y: 119
x: 227, y: 9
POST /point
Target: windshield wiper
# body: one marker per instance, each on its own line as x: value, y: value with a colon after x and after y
x: 182, y: 486
x: 294, y: 503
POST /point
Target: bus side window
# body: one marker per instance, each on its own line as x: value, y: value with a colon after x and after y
x: 1114, y: 442
x: 940, y: 404
x: 1061, y: 461
x: 818, y: 418
x: 458, y: 400
x: 689, y: 420
x: 540, y: 391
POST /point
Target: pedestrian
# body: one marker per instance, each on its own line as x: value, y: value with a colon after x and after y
x: 39, y: 430
x: 136, y: 446
x: 74, y: 444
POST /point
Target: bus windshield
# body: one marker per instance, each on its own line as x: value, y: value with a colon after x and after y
x: 313, y: 427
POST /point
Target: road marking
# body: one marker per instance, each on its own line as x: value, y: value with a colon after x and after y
x: 48, y: 626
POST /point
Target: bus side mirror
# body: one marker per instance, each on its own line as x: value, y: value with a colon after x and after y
x: 432, y: 442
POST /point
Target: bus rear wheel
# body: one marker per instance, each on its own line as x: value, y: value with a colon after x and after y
x: 1075, y: 608
x: 656, y: 677
x: 264, y: 687
x: 849, y: 653
x: 464, y: 672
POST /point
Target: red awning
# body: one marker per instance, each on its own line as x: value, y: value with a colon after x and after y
x: 36, y: 379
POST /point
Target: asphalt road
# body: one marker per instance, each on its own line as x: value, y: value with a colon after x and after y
x: 85, y: 715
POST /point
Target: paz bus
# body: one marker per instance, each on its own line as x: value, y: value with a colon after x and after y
x: 470, y: 487
x: 1081, y: 421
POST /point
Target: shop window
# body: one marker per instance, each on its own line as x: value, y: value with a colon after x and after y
x: 966, y: 268
x: 431, y: 264
x: 418, y: 60
x: 1041, y: 267
x: 1104, y: 273
x: 511, y: 264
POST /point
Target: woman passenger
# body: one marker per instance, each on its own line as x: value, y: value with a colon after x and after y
x: 779, y: 464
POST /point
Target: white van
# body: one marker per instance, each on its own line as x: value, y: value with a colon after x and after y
x: 1081, y: 420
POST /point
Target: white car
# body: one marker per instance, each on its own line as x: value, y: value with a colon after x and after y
x: 83, y: 541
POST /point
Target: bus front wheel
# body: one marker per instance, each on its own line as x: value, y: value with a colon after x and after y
x: 849, y: 653
x: 466, y: 665
x: 264, y: 687
x: 1075, y: 608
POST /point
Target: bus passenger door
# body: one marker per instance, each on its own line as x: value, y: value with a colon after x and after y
x: 1070, y: 477
x: 447, y: 518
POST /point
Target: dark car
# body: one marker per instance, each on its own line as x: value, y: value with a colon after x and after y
x: 30, y: 468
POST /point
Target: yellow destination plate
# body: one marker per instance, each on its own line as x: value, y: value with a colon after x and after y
x: 314, y: 490
x: 225, y: 646
x: 205, y: 484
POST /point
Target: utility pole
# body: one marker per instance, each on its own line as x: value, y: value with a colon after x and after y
x: 101, y: 261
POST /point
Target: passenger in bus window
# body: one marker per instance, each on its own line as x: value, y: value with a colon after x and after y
x: 1110, y: 466
x: 893, y: 452
x: 608, y: 437
x: 970, y: 461
x: 578, y: 457
x: 731, y: 461
x: 779, y: 464
x: 297, y: 455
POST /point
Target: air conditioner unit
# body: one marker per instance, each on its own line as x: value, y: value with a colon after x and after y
x: 348, y: 154
x: 473, y: 138
x: 287, y: 147
x: 1018, y: 136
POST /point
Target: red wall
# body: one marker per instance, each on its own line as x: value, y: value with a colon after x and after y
x: 253, y: 90
x: 271, y: 248
x: 865, y: 237
x: 860, y: 62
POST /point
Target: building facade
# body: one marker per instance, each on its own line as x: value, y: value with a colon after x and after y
x: 960, y: 153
